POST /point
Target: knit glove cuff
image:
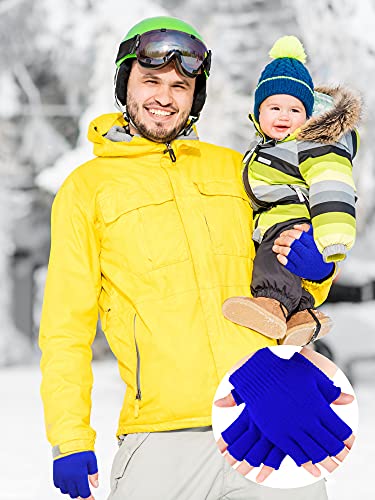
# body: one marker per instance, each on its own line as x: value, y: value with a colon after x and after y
x: 261, y: 372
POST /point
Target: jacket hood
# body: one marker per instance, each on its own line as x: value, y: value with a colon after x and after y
x: 343, y: 116
x: 107, y: 133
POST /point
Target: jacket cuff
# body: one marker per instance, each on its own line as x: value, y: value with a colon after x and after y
x: 70, y: 447
x: 334, y: 253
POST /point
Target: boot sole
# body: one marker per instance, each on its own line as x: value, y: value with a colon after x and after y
x: 245, y: 313
x: 300, y: 335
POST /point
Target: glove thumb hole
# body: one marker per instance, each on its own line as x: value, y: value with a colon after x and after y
x: 328, y: 389
x: 237, y: 398
x: 237, y: 428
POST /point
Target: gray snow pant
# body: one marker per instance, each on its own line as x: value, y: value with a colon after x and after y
x: 271, y: 279
x: 186, y: 465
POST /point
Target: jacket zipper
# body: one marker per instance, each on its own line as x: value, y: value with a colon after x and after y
x: 170, y: 151
x: 138, y: 396
x: 258, y: 205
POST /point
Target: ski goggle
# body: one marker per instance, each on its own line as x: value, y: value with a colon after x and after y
x: 155, y: 49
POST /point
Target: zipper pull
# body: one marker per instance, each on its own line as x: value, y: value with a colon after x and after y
x: 252, y: 149
x: 299, y: 194
x: 138, y: 398
x: 136, y: 408
x: 170, y: 151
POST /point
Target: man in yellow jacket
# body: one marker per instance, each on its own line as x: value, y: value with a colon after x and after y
x: 155, y: 233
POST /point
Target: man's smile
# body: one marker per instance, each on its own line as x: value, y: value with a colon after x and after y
x: 158, y: 114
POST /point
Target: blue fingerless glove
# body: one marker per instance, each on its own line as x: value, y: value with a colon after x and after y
x: 305, y: 260
x: 70, y: 473
x: 288, y: 401
x: 246, y: 442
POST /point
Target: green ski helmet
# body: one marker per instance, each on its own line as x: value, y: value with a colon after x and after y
x: 156, y: 41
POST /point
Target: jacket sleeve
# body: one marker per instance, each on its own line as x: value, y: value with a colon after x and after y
x: 320, y: 290
x: 68, y: 323
x: 327, y: 170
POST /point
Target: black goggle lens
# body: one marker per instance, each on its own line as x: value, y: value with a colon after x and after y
x: 157, y: 48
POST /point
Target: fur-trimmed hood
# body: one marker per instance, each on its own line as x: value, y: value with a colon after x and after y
x: 331, y: 125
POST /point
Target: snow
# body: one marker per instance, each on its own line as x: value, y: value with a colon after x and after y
x: 9, y: 96
x: 25, y: 454
x: 106, y: 32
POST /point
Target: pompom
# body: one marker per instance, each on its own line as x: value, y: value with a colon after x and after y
x: 288, y: 46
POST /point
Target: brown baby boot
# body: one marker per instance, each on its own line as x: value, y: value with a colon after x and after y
x: 307, y: 326
x: 262, y: 314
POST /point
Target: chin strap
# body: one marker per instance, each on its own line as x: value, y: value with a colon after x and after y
x: 125, y: 114
x: 189, y: 126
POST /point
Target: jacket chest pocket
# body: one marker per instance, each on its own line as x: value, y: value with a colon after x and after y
x: 143, y: 231
x: 228, y: 217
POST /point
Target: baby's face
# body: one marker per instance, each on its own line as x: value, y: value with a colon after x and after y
x: 280, y: 115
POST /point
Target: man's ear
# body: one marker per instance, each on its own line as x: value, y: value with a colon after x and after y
x: 199, y: 95
x: 122, y: 78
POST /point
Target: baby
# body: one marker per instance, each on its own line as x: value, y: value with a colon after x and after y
x: 299, y: 172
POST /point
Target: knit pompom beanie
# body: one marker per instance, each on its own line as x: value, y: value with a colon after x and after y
x: 286, y: 74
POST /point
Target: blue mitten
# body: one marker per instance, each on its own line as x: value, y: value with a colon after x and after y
x: 246, y: 442
x: 288, y: 400
x: 70, y: 473
x: 305, y: 260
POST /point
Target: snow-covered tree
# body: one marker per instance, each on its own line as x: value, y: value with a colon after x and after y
x: 339, y: 41
x: 108, y: 27
x: 338, y: 36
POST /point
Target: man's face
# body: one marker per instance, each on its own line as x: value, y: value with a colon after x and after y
x: 159, y: 101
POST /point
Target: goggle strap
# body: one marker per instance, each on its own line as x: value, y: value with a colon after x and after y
x: 127, y: 47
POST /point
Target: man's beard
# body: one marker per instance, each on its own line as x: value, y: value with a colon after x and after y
x: 158, y: 133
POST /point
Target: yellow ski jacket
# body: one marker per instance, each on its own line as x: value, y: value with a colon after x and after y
x: 156, y: 246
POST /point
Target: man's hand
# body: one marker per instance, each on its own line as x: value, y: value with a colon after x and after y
x: 297, y: 251
x: 72, y: 473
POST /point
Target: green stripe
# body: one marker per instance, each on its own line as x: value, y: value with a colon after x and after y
x: 321, y: 169
x: 285, y: 78
x: 268, y: 174
x: 281, y: 213
x: 334, y: 223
